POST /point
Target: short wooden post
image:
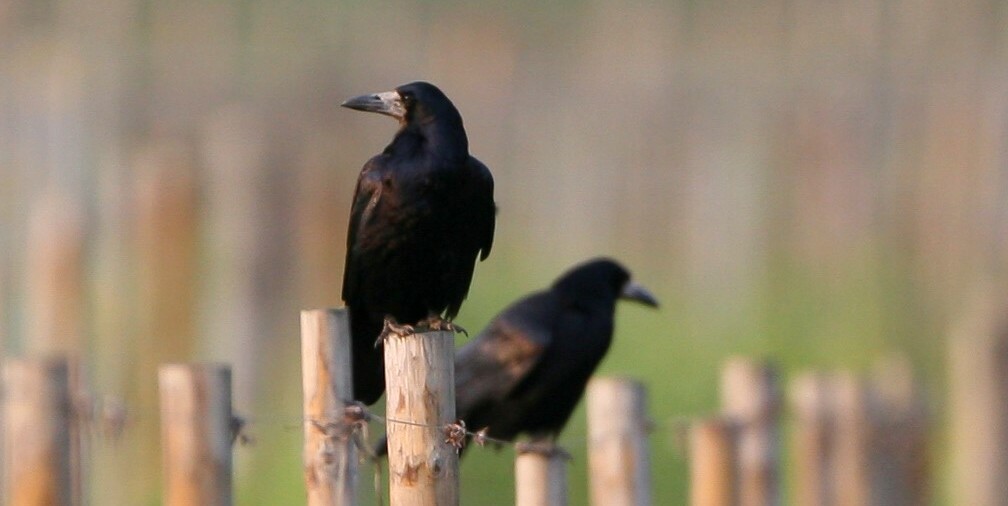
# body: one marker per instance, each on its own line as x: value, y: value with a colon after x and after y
x: 196, y: 434
x: 36, y: 436
x: 813, y: 439
x: 330, y: 457
x: 713, y: 463
x: 420, y: 402
x: 750, y: 395
x: 541, y: 478
x: 618, y: 460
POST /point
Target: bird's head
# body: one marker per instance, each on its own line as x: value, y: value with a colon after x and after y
x: 603, y: 277
x: 414, y: 103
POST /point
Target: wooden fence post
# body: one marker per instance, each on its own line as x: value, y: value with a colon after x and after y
x: 37, y: 411
x: 420, y: 402
x: 750, y: 395
x: 900, y: 453
x: 54, y: 302
x: 196, y: 434
x: 852, y: 484
x: 900, y: 461
x: 978, y: 359
x: 54, y: 271
x: 330, y: 457
x: 618, y: 460
x: 859, y: 443
x: 713, y: 463
x: 165, y: 234
x: 540, y: 478
x: 813, y: 439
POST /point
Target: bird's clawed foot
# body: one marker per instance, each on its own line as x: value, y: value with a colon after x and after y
x: 394, y: 329
x: 548, y: 449
x: 435, y: 322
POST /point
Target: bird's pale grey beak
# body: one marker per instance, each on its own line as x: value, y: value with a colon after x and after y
x: 636, y: 292
x: 388, y: 103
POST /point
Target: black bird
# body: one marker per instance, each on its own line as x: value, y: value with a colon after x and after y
x: 527, y: 370
x: 423, y: 211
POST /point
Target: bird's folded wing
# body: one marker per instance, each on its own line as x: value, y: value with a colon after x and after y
x: 493, y: 364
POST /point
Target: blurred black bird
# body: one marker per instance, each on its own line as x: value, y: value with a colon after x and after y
x: 422, y: 212
x: 527, y: 370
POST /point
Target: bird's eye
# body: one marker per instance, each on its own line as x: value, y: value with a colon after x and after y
x: 407, y: 99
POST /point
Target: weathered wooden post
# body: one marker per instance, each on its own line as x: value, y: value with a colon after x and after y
x: 37, y: 413
x: 541, y: 478
x: 750, y: 395
x: 420, y: 402
x: 330, y: 457
x: 196, y: 434
x: 713, y: 466
x: 618, y: 459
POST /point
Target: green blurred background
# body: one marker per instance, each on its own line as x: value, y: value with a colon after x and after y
x: 817, y: 182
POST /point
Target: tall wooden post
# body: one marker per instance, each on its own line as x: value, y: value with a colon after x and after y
x: 330, y: 457
x: 36, y: 436
x: 712, y: 463
x: 196, y: 434
x: 54, y: 302
x: 54, y: 271
x: 540, y: 478
x: 420, y: 401
x: 618, y: 460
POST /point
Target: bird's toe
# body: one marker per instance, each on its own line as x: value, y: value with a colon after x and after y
x: 393, y: 329
x: 435, y: 322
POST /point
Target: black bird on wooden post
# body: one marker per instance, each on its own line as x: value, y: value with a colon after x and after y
x: 423, y: 211
x: 527, y: 370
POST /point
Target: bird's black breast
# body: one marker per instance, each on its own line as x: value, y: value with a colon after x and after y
x: 417, y: 227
